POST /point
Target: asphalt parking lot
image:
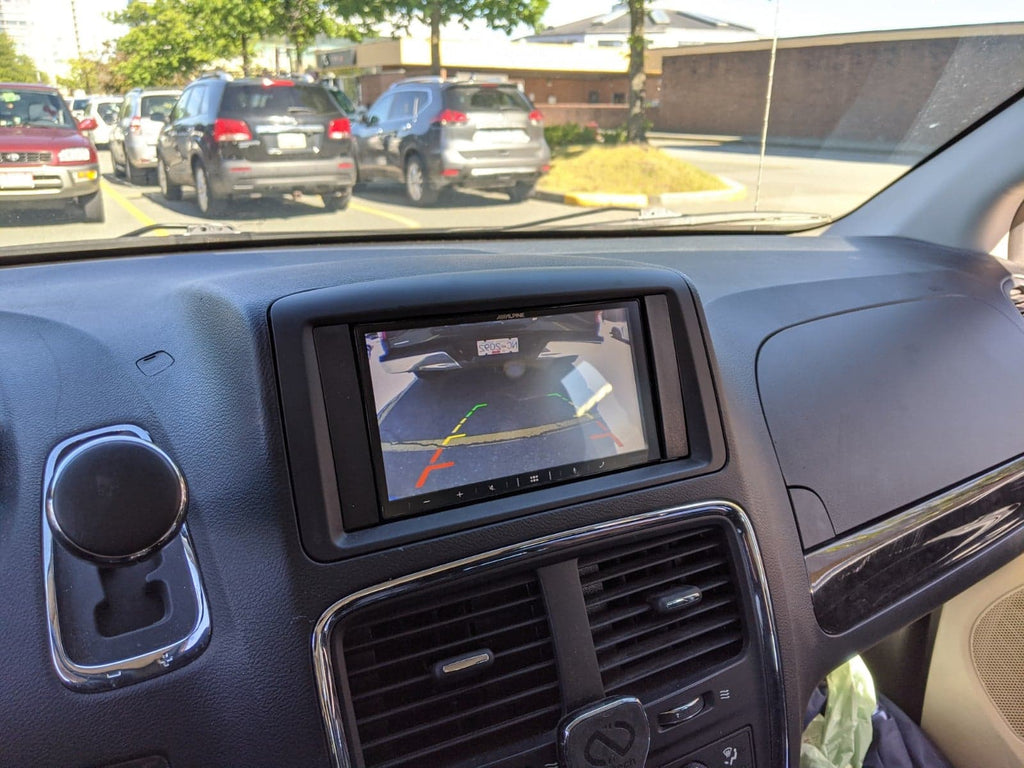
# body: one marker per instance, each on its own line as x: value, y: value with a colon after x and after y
x: 794, y: 181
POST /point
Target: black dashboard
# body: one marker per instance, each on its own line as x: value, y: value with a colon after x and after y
x: 810, y: 447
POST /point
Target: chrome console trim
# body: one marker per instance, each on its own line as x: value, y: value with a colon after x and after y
x: 546, y: 545
x: 119, y: 672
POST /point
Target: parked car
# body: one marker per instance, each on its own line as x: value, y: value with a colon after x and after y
x: 44, y: 156
x: 103, y: 109
x: 79, y: 106
x: 434, y: 134
x: 242, y: 138
x: 134, y: 135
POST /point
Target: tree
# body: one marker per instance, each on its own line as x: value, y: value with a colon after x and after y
x: 14, y: 66
x: 504, y: 15
x: 636, y: 128
x: 233, y: 26
x: 168, y: 42
x: 301, y: 21
x: 97, y: 75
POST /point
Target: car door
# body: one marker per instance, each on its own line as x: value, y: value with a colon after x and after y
x: 175, y: 138
x: 369, y: 133
x: 402, y: 125
x: 118, y: 129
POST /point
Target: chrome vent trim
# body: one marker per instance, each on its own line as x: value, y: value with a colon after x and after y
x: 647, y: 523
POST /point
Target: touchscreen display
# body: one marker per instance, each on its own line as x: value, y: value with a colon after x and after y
x: 466, y: 411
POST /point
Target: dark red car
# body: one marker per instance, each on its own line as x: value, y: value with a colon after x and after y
x: 44, y: 156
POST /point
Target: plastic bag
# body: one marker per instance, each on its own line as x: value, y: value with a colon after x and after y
x: 840, y: 737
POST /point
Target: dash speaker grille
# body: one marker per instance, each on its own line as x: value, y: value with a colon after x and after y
x: 997, y: 650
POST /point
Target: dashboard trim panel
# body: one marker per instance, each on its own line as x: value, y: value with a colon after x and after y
x: 913, y: 549
x: 330, y: 704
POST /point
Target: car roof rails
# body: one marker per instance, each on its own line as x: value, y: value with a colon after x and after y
x: 217, y: 74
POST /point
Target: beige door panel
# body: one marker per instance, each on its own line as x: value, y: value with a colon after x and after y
x: 974, y: 700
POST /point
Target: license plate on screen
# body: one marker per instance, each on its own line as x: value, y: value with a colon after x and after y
x: 497, y: 347
x: 291, y: 141
x: 16, y: 181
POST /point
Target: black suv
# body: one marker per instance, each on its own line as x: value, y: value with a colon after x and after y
x: 241, y: 138
x: 433, y: 134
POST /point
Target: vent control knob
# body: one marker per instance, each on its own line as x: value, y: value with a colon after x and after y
x: 115, y: 499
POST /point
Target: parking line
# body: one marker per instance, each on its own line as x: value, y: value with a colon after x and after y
x: 126, y: 204
x: 398, y: 219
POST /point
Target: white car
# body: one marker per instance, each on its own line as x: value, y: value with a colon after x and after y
x: 103, y: 109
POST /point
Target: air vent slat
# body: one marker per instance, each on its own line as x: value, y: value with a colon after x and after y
x: 417, y: 629
x: 404, y: 715
x: 631, y: 567
x: 644, y: 652
x: 632, y: 632
x: 644, y: 547
x: 448, y: 649
x: 703, y: 652
x: 423, y: 756
x: 630, y: 588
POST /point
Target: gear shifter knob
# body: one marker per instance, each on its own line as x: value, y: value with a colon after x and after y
x: 116, y: 499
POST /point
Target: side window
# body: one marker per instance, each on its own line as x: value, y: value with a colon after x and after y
x: 193, y: 103
x: 404, y: 106
x: 379, y: 110
x: 420, y: 102
x: 126, y: 108
x: 179, y: 106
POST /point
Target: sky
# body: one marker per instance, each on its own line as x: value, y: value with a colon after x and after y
x: 813, y: 17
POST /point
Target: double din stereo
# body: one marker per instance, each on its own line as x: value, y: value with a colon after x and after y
x: 404, y: 418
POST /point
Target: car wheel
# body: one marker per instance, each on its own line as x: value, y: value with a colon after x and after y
x: 337, y: 201
x: 417, y: 182
x: 168, y: 188
x: 523, y: 190
x: 92, y: 207
x: 138, y: 176
x: 207, y: 200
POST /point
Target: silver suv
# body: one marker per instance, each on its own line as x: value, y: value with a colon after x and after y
x: 133, y: 137
x: 434, y: 134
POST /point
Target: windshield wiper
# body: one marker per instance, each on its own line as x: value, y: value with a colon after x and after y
x: 189, y: 229
x: 661, y: 218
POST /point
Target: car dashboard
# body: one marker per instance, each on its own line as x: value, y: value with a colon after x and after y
x: 826, y: 454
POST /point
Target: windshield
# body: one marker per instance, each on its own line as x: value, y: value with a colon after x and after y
x: 38, y: 109
x: 330, y: 118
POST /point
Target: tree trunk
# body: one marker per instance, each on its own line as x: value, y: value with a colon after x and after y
x: 246, y: 59
x: 636, y: 125
x: 435, y: 39
x: 298, y: 61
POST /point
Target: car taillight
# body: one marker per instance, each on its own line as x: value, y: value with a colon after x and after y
x: 231, y: 130
x: 536, y: 117
x: 450, y: 116
x: 339, y: 129
x: 135, y: 126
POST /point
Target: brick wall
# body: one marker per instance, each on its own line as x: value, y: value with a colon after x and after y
x: 885, y: 93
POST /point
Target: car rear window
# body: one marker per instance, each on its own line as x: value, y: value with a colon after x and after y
x: 80, y: 104
x: 278, y: 99
x: 161, y: 104
x: 108, y: 111
x: 485, y: 98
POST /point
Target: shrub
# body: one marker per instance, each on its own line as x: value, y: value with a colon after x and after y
x: 569, y: 134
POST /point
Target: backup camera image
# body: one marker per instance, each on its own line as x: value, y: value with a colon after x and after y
x: 470, y: 410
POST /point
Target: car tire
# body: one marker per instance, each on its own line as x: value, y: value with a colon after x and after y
x: 523, y: 190
x: 209, y: 204
x: 337, y: 201
x: 92, y: 208
x: 136, y: 176
x: 168, y: 188
x: 417, y: 182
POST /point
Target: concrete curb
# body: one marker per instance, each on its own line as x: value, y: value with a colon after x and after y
x: 733, y: 191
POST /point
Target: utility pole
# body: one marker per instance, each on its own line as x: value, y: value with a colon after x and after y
x: 78, y: 47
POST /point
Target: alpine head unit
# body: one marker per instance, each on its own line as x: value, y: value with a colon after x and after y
x: 465, y: 409
x: 417, y: 409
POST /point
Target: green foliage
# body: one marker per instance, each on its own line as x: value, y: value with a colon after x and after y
x: 168, y: 42
x: 14, y: 66
x: 569, y: 135
x: 234, y: 26
x: 614, y: 136
x: 94, y: 76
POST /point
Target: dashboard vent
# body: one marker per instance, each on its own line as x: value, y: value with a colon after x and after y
x: 502, y: 698
x: 651, y: 631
